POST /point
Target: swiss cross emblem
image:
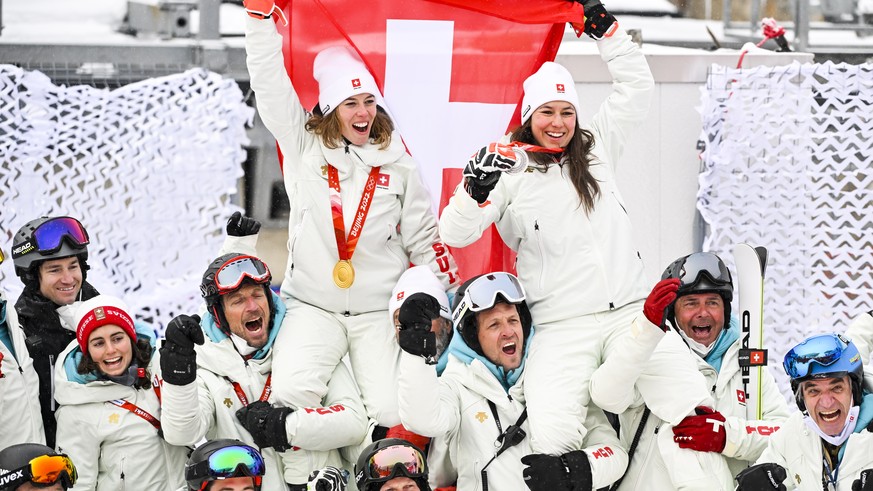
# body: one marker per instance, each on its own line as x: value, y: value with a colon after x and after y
x: 559, y: 88
x: 400, y: 295
x: 382, y: 181
x: 356, y: 83
x: 741, y: 396
x: 99, y: 313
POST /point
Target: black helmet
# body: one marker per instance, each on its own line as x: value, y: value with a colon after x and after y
x: 19, y: 465
x: 48, y: 238
x: 225, y: 275
x: 482, y: 293
x: 388, y: 458
x: 223, y: 459
x: 701, y: 272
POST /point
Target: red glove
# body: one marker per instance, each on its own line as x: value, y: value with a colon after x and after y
x: 704, y: 432
x: 263, y: 9
x: 401, y: 432
x: 663, y: 294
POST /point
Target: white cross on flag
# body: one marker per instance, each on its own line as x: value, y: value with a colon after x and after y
x: 451, y: 73
x: 383, y: 180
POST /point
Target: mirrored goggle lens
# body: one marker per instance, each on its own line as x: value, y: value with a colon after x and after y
x: 47, y: 469
x: 48, y: 236
x: 703, y: 262
x: 482, y: 293
x: 233, y: 272
x: 823, y: 350
x: 227, y: 461
x: 382, y: 464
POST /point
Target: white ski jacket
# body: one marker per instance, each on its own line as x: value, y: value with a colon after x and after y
x: 113, y: 448
x: 400, y: 228
x: 799, y: 450
x: 860, y: 331
x: 571, y: 263
x: 207, y: 408
x: 20, y: 416
x: 454, y: 408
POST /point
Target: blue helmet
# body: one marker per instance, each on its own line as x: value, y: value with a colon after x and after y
x: 824, y: 356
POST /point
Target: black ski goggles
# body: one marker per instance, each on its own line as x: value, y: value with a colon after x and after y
x: 49, y: 236
x: 390, y: 462
x: 697, y: 264
x: 44, y: 470
x: 232, y: 273
x: 482, y: 293
x: 229, y: 462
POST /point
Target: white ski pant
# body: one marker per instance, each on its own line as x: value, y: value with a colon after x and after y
x: 313, y: 341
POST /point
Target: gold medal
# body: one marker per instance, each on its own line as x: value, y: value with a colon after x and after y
x: 343, y: 273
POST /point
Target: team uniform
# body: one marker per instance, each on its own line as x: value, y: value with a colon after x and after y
x: 114, y: 448
x: 20, y: 420
x: 324, y: 321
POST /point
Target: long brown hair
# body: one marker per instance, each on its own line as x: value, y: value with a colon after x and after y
x: 329, y: 129
x: 142, y: 354
x: 577, y: 156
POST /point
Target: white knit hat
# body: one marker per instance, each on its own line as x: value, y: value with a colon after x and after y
x: 552, y: 82
x: 414, y: 280
x: 341, y: 74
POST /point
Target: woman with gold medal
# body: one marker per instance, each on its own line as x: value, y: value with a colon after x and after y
x: 360, y: 215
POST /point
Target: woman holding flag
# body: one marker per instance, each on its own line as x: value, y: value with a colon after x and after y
x: 566, y: 219
x: 360, y: 214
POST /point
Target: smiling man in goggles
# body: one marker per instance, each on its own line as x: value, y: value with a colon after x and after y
x: 30, y: 467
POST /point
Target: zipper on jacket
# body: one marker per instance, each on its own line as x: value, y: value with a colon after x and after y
x: 52, y: 382
x: 542, y: 251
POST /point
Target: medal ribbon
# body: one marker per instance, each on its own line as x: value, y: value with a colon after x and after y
x: 142, y: 413
x: 527, y: 147
x: 265, y: 394
x: 344, y: 247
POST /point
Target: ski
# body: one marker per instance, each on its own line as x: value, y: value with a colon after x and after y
x: 751, y: 263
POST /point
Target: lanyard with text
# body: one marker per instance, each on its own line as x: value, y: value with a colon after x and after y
x: 265, y: 394
x: 138, y: 411
x: 343, y: 272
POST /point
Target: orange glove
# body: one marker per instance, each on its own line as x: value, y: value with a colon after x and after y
x: 263, y: 9
x: 401, y: 432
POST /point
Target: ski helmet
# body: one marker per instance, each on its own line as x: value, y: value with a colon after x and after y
x: 223, y: 459
x: 35, y: 463
x: 482, y: 293
x: 48, y: 238
x: 225, y: 275
x: 701, y: 272
x: 388, y: 458
x: 824, y: 356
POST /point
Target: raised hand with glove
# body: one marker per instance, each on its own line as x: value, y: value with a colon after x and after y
x: 703, y: 432
x: 569, y: 472
x: 762, y: 477
x: 328, y: 479
x: 599, y: 23
x: 662, y: 295
x: 239, y: 225
x: 415, y: 317
x: 266, y: 424
x: 864, y: 482
x: 178, y: 358
x: 263, y: 9
x: 483, y: 170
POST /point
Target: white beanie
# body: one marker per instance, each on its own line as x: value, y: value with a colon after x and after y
x: 552, y: 82
x: 414, y: 280
x: 341, y: 74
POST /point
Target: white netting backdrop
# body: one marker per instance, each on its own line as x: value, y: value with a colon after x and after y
x: 789, y: 165
x: 149, y: 169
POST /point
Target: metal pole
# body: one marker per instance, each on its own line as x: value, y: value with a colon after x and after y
x: 726, y: 13
x: 755, y: 16
x: 801, y: 26
x: 209, y: 19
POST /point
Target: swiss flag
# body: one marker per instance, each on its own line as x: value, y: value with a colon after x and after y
x: 383, y: 180
x: 356, y: 83
x: 451, y: 73
x: 741, y: 396
x: 559, y: 88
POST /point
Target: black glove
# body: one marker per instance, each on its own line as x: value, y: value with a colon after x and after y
x: 483, y: 170
x: 328, y: 479
x: 178, y: 359
x: 598, y: 22
x: 239, y: 225
x: 762, y: 477
x: 266, y: 424
x: 865, y: 482
x: 569, y: 472
x: 416, y: 314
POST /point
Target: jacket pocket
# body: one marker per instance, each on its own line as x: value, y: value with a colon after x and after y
x: 395, y: 248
